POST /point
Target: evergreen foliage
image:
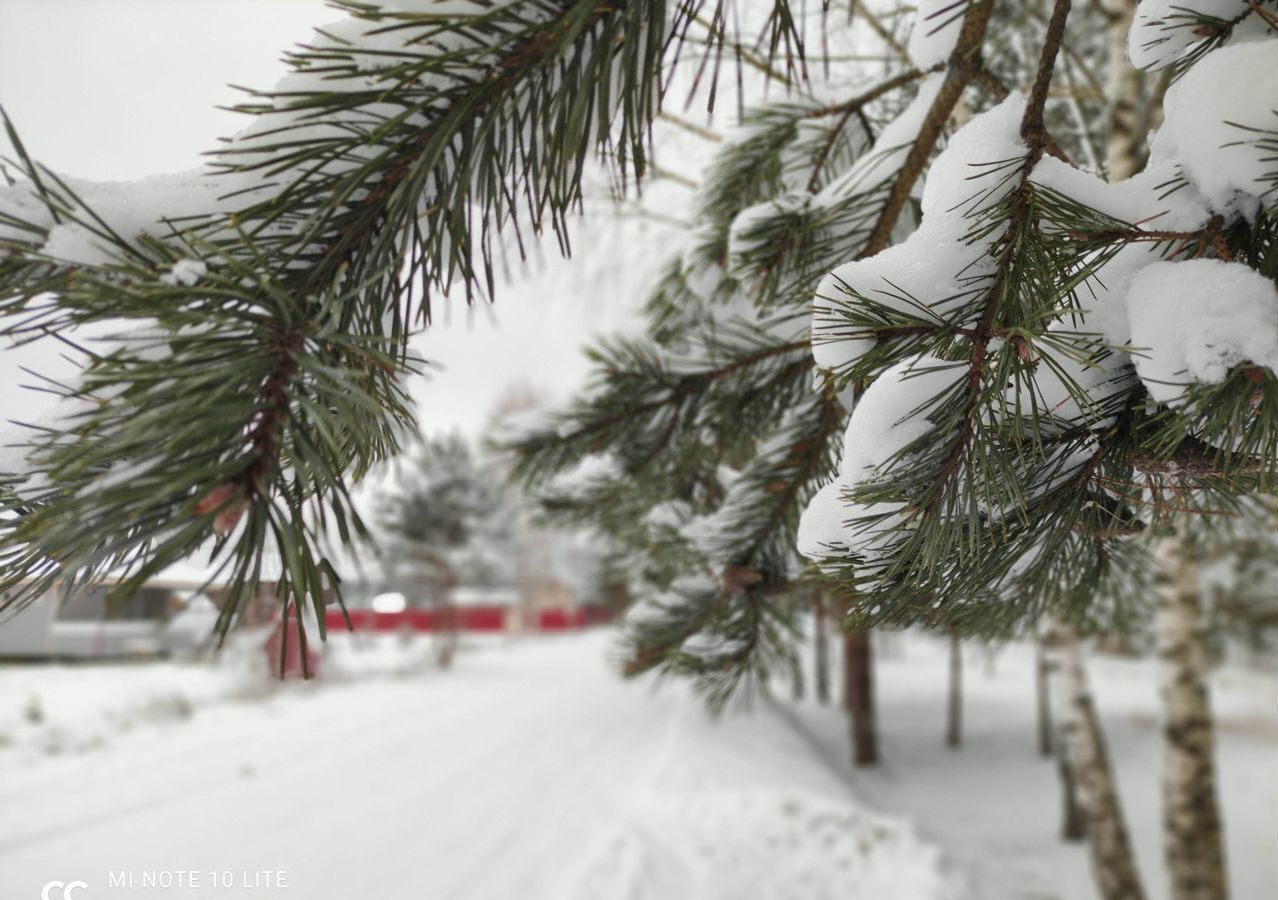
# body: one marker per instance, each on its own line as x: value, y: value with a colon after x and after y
x: 259, y: 311
x: 438, y: 507
x: 1007, y: 440
x: 1010, y: 457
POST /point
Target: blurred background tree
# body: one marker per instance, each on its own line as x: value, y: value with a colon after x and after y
x: 431, y: 519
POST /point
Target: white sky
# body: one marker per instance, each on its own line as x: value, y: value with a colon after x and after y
x: 119, y: 89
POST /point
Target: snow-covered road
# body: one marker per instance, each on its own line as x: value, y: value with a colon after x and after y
x: 530, y: 771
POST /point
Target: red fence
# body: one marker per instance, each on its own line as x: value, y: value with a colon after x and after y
x: 470, y: 618
x: 464, y: 618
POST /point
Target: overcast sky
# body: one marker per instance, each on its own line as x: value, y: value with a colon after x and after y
x: 119, y: 89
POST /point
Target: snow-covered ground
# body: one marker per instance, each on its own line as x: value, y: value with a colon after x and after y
x: 528, y: 771
x: 55, y: 709
x: 994, y: 804
x: 532, y: 771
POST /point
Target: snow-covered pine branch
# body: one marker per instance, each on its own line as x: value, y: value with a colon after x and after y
x: 803, y: 184
x: 1018, y: 253
x: 277, y: 288
x: 1053, y: 360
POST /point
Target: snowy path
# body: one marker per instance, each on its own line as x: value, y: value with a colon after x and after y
x: 529, y: 772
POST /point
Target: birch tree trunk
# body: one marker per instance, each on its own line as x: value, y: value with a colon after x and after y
x: 1124, y: 96
x: 1073, y: 820
x: 1113, y: 864
x: 1191, y: 812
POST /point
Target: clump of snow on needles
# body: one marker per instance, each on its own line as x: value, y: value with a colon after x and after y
x: 186, y: 272
x: 891, y: 147
x: 1193, y: 321
x: 891, y: 417
x: 936, y: 30
x: 1219, y: 134
x: 708, y: 647
x: 1164, y: 31
x: 750, y: 229
x: 1142, y: 198
x: 893, y: 413
x: 934, y: 269
x: 1075, y: 384
x: 1185, y: 322
x: 154, y: 206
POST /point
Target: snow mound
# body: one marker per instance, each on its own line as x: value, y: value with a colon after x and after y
x: 732, y: 843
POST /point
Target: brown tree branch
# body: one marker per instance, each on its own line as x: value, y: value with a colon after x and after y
x: 1036, y: 139
x: 964, y: 63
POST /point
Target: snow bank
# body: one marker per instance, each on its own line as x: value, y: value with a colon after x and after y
x: 74, y: 708
x: 802, y: 845
x: 995, y: 803
x: 529, y: 771
x: 59, y: 709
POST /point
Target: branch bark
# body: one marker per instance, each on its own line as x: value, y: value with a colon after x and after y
x: 965, y: 63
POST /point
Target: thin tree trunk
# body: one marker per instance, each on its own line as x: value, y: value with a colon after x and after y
x: 1073, y: 822
x: 858, y: 683
x: 446, y: 634
x: 445, y: 618
x: 1191, y: 813
x: 954, y: 718
x: 821, y: 655
x: 1113, y: 864
x: 1044, y: 696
